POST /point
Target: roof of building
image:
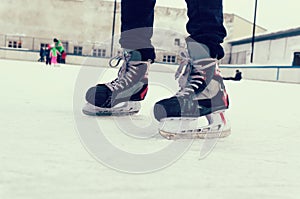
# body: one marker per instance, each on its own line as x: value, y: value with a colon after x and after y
x: 232, y: 15
x: 267, y: 36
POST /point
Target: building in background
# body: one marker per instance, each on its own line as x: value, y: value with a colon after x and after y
x: 276, y: 48
x: 85, y: 27
x: 237, y: 27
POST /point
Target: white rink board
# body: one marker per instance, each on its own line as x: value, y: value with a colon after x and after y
x: 42, y: 156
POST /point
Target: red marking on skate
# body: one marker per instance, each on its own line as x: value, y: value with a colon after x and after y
x: 223, y: 118
x: 218, y: 72
x: 225, y: 97
x: 143, y: 94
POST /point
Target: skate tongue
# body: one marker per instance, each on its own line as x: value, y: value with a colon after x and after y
x: 132, y: 55
x: 195, y: 52
x: 198, y: 51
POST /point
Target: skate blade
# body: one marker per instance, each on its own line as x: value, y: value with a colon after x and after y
x: 124, y: 109
x: 107, y: 113
x: 194, y: 135
x: 218, y: 127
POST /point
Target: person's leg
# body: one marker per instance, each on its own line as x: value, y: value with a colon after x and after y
x: 205, y: 24
x: 59, y: 57
x: 202, y: 92
x: 228, y: 78
x: 137, y: 27
x: 121, y: 95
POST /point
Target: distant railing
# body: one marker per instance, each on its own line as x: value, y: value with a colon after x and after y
x: 279, y: 72
x: 20, y: 41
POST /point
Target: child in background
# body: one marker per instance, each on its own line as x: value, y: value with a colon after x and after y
x: 47, y: 54
x: 42, y: 54
x: 53, y: 54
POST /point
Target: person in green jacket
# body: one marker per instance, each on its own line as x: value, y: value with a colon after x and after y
x: 60, y: 48
x: 54, y: 53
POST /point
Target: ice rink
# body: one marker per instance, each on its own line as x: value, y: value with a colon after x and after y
x: 43, y: 154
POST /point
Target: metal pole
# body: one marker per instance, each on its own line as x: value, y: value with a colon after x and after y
x: 33, y: 43
x: 253, y: 32
x: 113, y: 29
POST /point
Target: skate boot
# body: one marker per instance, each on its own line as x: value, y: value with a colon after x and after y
x: 202, y: 93
x: 122, y: 95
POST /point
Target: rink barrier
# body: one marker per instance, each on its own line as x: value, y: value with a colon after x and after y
x: 278, y: 73
x: 24, y: 54
x: 255, y: 72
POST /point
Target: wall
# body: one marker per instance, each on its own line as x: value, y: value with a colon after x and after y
x: 77, y: 21
x: 85, y: 23
x: 276, y: 51
x: 84, y: 20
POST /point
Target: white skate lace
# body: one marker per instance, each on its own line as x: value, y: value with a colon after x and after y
x: 189, y: 82
x: 126, y: 72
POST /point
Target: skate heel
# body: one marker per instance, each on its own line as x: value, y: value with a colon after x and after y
x: 218, y: 125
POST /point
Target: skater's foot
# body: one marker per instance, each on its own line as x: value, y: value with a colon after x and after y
x: 130, y: 86
x: 201, y: 93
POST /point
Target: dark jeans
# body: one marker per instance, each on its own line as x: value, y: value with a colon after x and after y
x: 59, y: 59
x: 205, y: 25
x: 48, y: 60
x: 231, y: 78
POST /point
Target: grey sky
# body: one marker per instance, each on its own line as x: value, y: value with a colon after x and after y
x: 272, y: 15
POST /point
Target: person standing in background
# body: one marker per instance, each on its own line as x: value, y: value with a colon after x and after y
x: 47, y: 54
x: 63, y: 57
x: 54, y: 53
x: 60, y: 48
x: 42, y: 54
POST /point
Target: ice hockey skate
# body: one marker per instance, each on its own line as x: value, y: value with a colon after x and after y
x: 122, y: 95
x: 202, y: 93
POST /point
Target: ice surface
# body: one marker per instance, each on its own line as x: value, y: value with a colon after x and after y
x: 42, y: 154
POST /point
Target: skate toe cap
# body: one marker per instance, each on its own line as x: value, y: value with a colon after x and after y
x: 167, y: 108
x: 97, y: 95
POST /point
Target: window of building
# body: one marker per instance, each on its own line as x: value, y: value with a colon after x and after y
x: 238, y: 57
x: 99, y: 52
x: 66, y: 46
x: 15, y: 44
x: 296, y: 60
x: 177, y: 42
x: 77, y: 50
x: 169, y: 59
x: 10, y: 44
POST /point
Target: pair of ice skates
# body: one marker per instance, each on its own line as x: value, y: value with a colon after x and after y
x: 202, y: 93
